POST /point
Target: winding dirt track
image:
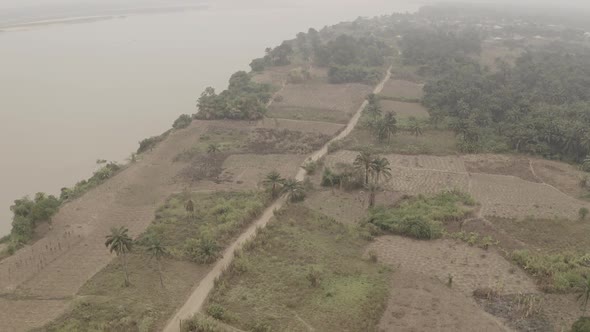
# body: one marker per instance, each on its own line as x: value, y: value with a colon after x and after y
x: 197, y: 299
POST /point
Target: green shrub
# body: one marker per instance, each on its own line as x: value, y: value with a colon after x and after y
x: 216, y: 311
x: 583, y: 213
x: 27, y: 214
x: 421, y: 217
x: 204, y: 250
x: 151, y: 142
x: 563, y: 272
x: 201, y: 324
x: 581, y: 325
x: 183, y: 121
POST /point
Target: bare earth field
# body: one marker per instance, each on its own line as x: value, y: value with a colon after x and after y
x: 403, y: 89
x: 246, y: 171
x: 421, y: 299
x: 326, y: 128
x: 319, y: 101
x: 505, y: 194
x: 405, y: 110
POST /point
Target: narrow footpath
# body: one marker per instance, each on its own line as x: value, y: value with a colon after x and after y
x: 195, y: 302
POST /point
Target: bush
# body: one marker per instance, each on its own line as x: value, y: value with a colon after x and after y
x: 202, y: 251
x: 27, y: 214
x: 583, y: 213
x: 216, y: 311
x: 201, y: 324
x: 581, y: 325
x: 421, y: 217
x: 150, y: 143
x: 183, y: 121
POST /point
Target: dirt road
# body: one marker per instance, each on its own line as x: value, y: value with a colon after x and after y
x: 197, y: 299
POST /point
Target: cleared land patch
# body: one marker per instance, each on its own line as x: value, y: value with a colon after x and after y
x: 511, y: 197
x: 502, y: 165
x: 422, y: 303
x: 248, y: 170
x: 326, y: 128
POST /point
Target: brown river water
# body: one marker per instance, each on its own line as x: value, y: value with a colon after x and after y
x: 78, y: 91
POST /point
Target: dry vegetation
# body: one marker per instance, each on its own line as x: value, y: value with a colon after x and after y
x: 319, y: 102
x: 304, y: 271
x: 397, y: 88
x: 404, y: 110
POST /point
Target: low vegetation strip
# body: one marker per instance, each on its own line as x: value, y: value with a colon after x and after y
x: 190, y: 230
x: 303, y: 271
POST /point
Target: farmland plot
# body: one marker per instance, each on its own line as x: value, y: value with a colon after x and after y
x: 402, y: 89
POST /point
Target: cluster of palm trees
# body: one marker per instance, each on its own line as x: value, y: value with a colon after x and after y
x: 374, y: 169
x: 121, y: 244
x: 276, y: 184
x: 382, y: 125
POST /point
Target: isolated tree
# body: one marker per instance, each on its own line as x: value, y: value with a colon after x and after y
x: 415, y: 127
x: 158, y: 251
x: 120, y: 243
x: 362, y: 163
x: 380, y: 168
x: 213, y: 148
x: 273, y: 182
x: 190, y: 207
x: 294, y: 190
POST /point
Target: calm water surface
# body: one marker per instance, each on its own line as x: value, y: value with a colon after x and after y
x: 73, y: 93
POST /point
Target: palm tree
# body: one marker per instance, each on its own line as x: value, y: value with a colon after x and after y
x: 120, y: 242
x: 363, y: 163
x: 584, y: 295
x: 372, y: 188
x: 213, y: 148
x: 415, y: 127
x: 294, y: 190
x: 273, y: 181
x: 190, y: 207
x: 388, y: 126
x: 373, y: 108
x: 380, y: 167
x: 157, y: 250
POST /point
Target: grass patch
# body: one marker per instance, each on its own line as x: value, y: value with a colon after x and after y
x: 421, y: 217
x: 564, y: 272
x: 303, y: 270
x: 435, y: 142
x: 228, y: 140
x: 308, y: 113
x: 216, y: 219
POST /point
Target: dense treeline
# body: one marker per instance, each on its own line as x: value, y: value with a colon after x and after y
x: 434, y: 52
x: 540, y: 105
x: 278, y: 56
x: 243, y: 99
x: 28, y: 213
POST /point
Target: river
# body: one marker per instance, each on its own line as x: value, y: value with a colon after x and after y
x: 78, y: 91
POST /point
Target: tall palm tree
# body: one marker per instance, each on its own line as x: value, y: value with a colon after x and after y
x: 158, y: 251
x: 273, y: 182
x: 380, y: 167
x: 294, y: 190
x: 388, y: 126
x: 362, y: 163
x: 415, y: 127
x: 213, y: 148
x: 120, y: 242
